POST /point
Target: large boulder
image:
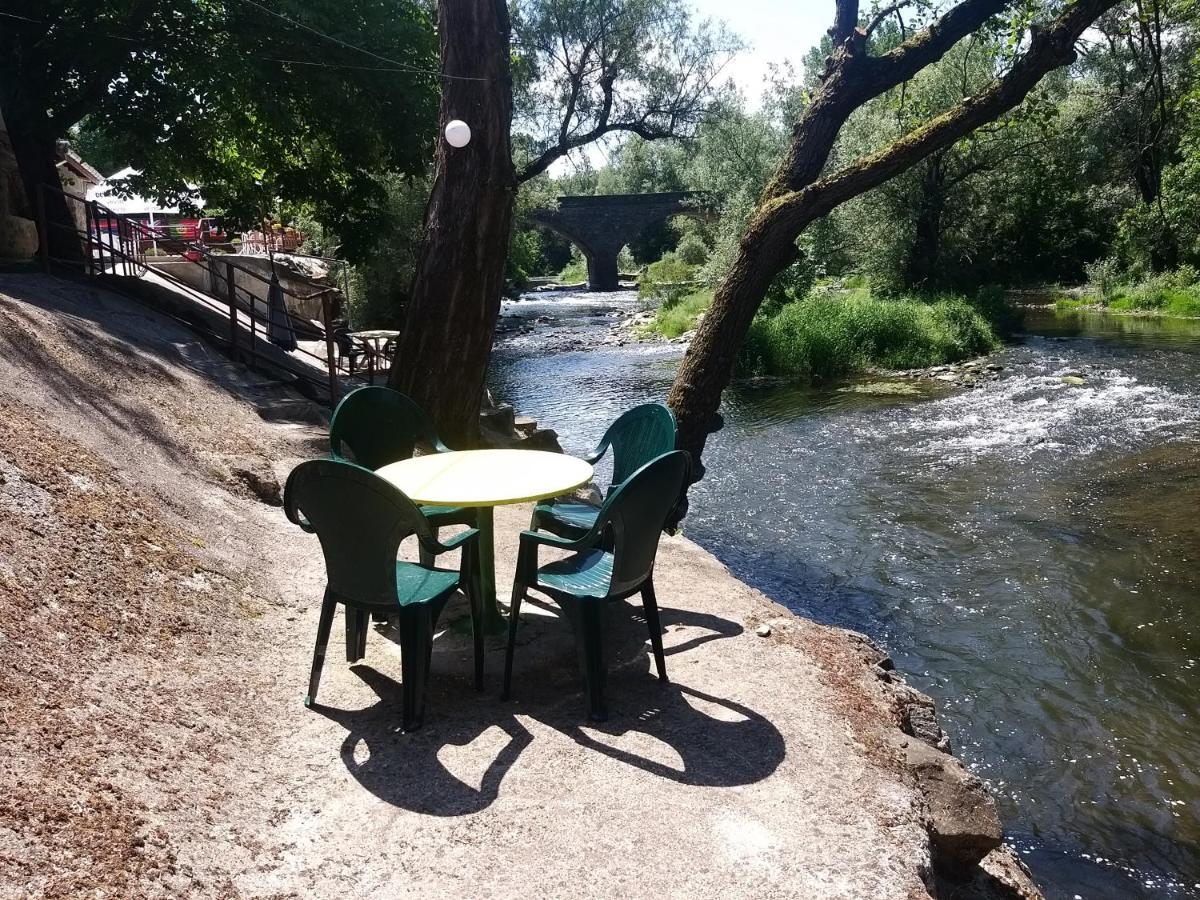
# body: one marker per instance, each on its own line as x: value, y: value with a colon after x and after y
x: 964, y: 826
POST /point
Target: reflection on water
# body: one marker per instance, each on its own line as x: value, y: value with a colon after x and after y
x: 1027, y: 550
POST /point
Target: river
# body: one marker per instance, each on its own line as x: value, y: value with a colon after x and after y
x: 1028, y: 550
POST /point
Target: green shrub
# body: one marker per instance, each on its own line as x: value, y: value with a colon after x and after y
x: 1185, y: 276
x: 827, y: 336
x: 1102, y: 277
x: 680, y: 317
x: 669, y: 280
x: 692, y: 250
x: 574, y: 272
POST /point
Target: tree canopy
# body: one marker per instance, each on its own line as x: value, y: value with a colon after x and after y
x: 304, y: 102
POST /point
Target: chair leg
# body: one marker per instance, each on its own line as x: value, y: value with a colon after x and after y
x: 475, y: 602
x: 592, y: 634
x: 324, y: 626
x: 423, y: 555
x: 364, y: 628
x: 356, y: 634
x: 650, y: 605
x: 514, y: 615
x: 416, y: 647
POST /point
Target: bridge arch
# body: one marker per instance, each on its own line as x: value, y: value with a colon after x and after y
x: 601, y: 225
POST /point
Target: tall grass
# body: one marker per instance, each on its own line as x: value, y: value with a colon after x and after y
x: 828, y: 336
x: 1169, y: 294
x: 674, y: 319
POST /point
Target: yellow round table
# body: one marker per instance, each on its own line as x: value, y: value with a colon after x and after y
x: 484, y: 479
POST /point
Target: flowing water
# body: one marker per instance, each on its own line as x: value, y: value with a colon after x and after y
x: 1028, y: 550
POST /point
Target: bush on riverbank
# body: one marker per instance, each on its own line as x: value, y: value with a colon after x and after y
x: 1171, y: 294
x: 827, y: 336
x: 832, y: 334
x: 674, y: 319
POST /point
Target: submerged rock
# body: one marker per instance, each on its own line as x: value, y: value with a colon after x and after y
x: 883, y: 389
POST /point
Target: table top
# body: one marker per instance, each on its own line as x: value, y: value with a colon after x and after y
x: 375, y: 335
x: 486, y: 477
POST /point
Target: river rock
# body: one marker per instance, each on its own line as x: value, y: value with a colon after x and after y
x: 964, y: 827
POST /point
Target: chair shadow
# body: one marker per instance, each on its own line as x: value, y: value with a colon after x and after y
x: 718, y: 742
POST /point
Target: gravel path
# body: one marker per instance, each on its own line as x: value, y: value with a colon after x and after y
x: 155, y: 633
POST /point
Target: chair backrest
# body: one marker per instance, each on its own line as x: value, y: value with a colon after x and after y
x: 361, y: 521
x: 374, y: 426
x: 636, y: 511
x: 638, y: 436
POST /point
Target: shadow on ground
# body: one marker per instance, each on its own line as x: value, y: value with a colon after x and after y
x: 719, y: 742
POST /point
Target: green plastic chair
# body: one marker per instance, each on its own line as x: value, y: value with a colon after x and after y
x: 361, y: 521
x: 613, y: 560
x: 636, y: 437
x: 374, y: 426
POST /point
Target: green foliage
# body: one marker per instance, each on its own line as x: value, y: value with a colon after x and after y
x: 575, y: 271
x: 524, y: 258
x: 1102, y: 278
x: 692, y: 250
x: 826, y: 336
x: 1168, y: 293
x: 667, y: 280
x: 220, y: 95
x: 681, y: 316
x: 381, y: 281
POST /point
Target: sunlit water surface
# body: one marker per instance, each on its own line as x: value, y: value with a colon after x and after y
x: 1028, y: 551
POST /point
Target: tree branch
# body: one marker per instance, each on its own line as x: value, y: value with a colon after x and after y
x: 1049, y: 49
x: 884, y: 13
x: 845, y: 20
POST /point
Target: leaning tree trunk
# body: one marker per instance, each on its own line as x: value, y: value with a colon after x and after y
x: 797, y: 196
x: 442, y: 354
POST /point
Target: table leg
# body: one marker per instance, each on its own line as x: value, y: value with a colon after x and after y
x: 493, y: 621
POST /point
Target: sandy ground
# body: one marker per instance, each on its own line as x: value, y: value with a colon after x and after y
x: 156, y: 628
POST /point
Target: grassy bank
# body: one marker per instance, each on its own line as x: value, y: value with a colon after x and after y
x: 830, y: 335
x: 1174, y: 294
x: 679, y: 317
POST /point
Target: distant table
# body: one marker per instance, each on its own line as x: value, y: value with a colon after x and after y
x: 374, y: 339
x: 484, y: 479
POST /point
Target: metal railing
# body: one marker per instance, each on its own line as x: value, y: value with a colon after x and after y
x: 114, y: 245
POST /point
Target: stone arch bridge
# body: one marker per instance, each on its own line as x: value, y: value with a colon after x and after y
x: 601, y: 225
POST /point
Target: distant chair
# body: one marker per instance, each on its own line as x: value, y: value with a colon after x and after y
x: 349, y: 348
x: 603, y: 568
x: 374, y: 426
x: 636, y: 437
x: 361, y: 521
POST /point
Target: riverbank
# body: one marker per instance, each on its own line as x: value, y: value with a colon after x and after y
x: 1012, y: 544
x: 155, y: 744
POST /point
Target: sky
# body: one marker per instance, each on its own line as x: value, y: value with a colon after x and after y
x: 774, y: 30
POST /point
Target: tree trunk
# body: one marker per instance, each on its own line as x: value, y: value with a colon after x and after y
x: 765, y: 250
x: 443, y: 351
x: 920, y: 269
x: 797, y: 196
x: 33, y: 142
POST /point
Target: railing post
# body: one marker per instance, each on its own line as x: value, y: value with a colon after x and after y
x: 231, y: 293
x: 87, y: 245
x: 43, y: 230
x: 330, y: 358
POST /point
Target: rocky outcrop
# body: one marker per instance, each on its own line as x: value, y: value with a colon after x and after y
x: 970, y: 859
x: 501, y: 428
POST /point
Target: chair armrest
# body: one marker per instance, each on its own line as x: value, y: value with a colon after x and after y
x: 437, y: 547
x: 594, y: 457
x: 293, y: 516
x: 534, y: 538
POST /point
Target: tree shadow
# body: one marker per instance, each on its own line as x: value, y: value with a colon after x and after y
x: 718, y: 742
x: 121, y: 335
